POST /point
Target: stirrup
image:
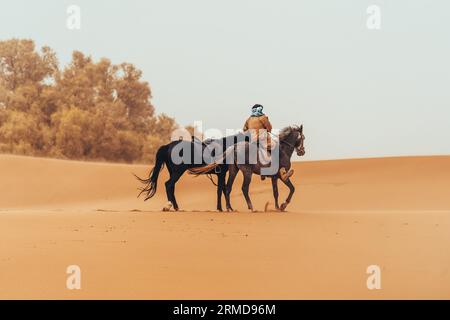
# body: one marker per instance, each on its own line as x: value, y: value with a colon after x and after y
x: 286, y: 175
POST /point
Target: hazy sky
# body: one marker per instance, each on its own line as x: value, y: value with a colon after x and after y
x: 359, y: 92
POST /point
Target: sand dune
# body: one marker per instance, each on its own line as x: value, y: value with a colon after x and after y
x: 345, y: 216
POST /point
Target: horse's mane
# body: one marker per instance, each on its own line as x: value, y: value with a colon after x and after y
x: 285, y: 132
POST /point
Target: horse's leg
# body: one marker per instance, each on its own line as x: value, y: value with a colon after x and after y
x: 245, y: 187
x: 220, y: 189
x: 168, y: 194
x: 275, y: 191
x: 233, y: 171
x: 170, y: 186
x: 176, y: 178
x: 291, y: 187
x: 224, y: 185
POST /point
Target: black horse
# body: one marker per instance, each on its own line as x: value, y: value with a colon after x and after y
x: 290, y: 139
x: 181, y: 156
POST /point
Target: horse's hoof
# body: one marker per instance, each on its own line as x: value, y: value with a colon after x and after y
x: 283, y: 206
x: 254, y: 211
x: 168, y: 206
x: 230, y: 210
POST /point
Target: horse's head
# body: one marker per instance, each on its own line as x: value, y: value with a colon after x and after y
x: 300, y: 141
x: 293, y: 137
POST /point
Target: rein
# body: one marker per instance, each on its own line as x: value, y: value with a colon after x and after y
x: 285, y: 142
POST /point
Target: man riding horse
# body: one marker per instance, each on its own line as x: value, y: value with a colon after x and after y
x: 260, y: 127
x: 291, y: 139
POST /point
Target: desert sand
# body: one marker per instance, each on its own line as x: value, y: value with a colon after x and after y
x: 345, y: 216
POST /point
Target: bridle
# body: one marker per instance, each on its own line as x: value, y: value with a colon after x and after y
x: 302, y: 146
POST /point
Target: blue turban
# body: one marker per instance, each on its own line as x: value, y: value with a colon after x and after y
x: 257, y: 110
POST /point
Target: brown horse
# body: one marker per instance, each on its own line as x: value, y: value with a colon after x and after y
x: 290, y: 139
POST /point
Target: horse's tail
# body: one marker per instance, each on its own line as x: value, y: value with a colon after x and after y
x: 151, y: 183
x: 201, y: 170
x: 207, y: 168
